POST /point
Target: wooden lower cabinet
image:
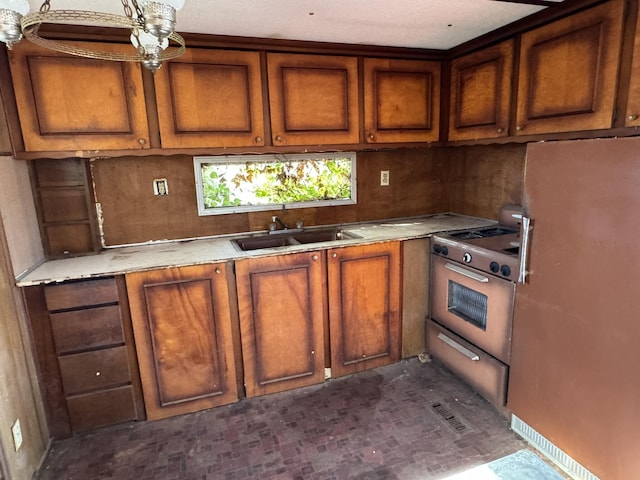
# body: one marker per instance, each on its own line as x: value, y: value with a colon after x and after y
x: 364, y: 306
x: 182, y: 325
x: 84, y: 350
x: 281, y: 306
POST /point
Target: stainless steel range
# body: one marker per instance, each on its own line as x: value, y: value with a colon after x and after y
x: 473, y: 275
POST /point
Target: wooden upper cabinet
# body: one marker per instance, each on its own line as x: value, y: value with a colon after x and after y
x: 182, y: 327
x: 313, y: 99
x: 568, y: 72
x: 632, y: 114
x: 401, y: 100
x: 281, y: 304
x: 74, y: 103
x: 481, y: 93
x: 210, y: 98
x: 364, y: 306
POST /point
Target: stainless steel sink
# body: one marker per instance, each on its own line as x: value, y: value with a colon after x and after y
x: 284, y: 239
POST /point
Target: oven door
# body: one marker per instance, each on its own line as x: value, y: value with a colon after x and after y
x: 476, y: 306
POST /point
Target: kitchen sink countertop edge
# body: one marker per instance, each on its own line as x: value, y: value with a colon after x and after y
x: 181, y: 253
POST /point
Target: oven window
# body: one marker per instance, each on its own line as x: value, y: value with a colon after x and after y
x: 468, y: 304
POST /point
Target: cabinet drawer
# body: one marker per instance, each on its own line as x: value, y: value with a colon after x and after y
x: 98, y: 409
x: 84, y: 372
x: 80, y: 294
x: 484, y: 373
x: 87, y: 329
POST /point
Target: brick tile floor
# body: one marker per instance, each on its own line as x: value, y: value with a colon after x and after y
x: 376, y: 425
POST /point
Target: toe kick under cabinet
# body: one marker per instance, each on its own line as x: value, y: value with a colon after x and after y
x: 85, y: 354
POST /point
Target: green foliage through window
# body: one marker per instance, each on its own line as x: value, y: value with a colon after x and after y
x: 233, y: 184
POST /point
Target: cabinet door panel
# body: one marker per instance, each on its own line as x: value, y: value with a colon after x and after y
x: 568, y: 72
x: 182, y: 327
x: 402, y: 100
x: 281, y: 321
x: 74, y: 103
x: 480, y: 93
x: 313, y: 99
x: 632, y: 116
x: 210, y: 98
x: 364, y: 307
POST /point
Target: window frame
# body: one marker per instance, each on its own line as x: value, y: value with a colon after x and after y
x: 198, y: 161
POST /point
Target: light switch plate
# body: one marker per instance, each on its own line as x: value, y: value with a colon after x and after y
x: 16, y: 431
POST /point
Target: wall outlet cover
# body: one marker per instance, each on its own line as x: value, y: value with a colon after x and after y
x: 384, y: 178
x: 16, y: 431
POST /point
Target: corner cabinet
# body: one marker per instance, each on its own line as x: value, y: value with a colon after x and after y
x: 313, y: 99
x: 182, y: 326
x: 281, y: 305
x: 364, y: 306
x: 401, y: 100
x: 210, y: 98
x: 74, y: 103
x: 481, y: 93
x: 568, y: 72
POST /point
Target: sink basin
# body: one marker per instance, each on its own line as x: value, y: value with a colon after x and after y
x: 283, y: 239
x: 262, y: 241
x: 323, y: 235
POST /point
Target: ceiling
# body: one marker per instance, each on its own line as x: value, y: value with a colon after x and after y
x: 430, y: 24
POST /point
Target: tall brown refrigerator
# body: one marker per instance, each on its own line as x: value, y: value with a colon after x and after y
x: 575, y: 368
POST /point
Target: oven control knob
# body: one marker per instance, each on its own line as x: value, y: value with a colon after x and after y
x: 494, y: 267
x: 445, y: 251
x: 437, y: 248
x: 466, y: 258
x: 505, y: 270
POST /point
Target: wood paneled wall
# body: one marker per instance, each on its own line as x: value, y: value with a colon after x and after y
x: 469, y: 180
x: 480, y: 179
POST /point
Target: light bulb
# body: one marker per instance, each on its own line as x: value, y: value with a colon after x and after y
x: 18, y: 6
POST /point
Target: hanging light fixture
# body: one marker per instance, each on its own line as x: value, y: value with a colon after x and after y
x: 151, y: 23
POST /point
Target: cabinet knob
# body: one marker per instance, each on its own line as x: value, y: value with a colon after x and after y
x: 218, y: 270
x: 500, y: 130
x: 632, y: 117
x: 98, y: 374
x: 519, y: 128
x: 258, y: 139
x: 372, y: 136
x: 142, y: 141
x: 278, y: 138
x: 334, y: 255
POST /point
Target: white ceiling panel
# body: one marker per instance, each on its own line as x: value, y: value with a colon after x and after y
x: 436, y: 24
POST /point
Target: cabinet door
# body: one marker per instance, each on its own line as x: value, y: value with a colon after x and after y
x: 480, y: 93
x: 182, y: 326
x: 568, y: 72
x: 281, y: 321
x: 401, y: 100
x: 313, y: 99
x: 74, y: 103
x: 632, y: 115
x: 210, y: 98
x: 364, y: 306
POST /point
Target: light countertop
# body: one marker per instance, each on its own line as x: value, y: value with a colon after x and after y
x: 151, y: 256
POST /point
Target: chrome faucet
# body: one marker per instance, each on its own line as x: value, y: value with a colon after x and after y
x: 275, y: 220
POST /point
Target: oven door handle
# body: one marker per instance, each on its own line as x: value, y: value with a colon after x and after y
x: 459, y: 348
x: 467, y: 273
x: 524, y: 250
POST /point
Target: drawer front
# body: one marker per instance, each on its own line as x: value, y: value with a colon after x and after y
x: 84, y: 372
x: 98, y: 409
x: 80, y: 294
x: 87, y: 329
x: 484, y: 373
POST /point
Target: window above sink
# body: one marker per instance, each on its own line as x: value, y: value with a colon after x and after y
x: 243, y: 183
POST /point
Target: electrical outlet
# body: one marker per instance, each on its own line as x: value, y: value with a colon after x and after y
x: 384, y: 178
x: 16, y: 431
x: 160, y: 186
